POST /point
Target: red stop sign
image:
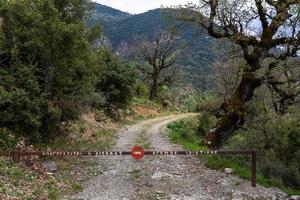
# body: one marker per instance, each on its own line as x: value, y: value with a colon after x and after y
x: 137, y: 152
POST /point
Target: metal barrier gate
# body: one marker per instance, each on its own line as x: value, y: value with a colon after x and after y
x: 138, y: 153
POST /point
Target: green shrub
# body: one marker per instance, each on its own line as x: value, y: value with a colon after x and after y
x: 116, y: 79
x: 47, y: 66
x: 184, y: 132
x: 20, y: 101
x: 278, y: 162
x: 276, y: 138
x: 76, y: 187
x: 206, y: 121
x: 7, y: 141
x: 141, y: 89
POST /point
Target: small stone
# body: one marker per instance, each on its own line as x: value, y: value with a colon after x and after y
x: 223, y: 182
x: 160, y: 195
x: 49, y: 173
x: 147, y: 184
x: 111, y: 172
x: 295, y: 197
x: 228, y: 170
x: 49, y: 166
x: 158, y: 175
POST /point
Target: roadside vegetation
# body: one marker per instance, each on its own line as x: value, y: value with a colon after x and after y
x: 189, y: 134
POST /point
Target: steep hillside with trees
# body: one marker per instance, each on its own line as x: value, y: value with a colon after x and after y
x: 195, y: 60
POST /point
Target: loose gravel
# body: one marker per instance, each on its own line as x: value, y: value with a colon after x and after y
x: 165, y: 177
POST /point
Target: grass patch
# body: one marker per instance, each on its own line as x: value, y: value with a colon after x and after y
x: 185, y: 133
x: 53, y: 193
x: 244, y: 171
x: 23, y: 182
x: 76, y: 187
x: 143, y: 140
x: 72, y: 172
x: 101, y: 140
x: 136, y: 173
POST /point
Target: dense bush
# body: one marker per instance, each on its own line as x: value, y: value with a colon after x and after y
x: 20, y: 101
x: 208, y: 105
x: 7, y: 141
x: 276, y: 138
x: 206, y: 121
x: 141, y: 89
x: 46, y: 70
x: 116, y: 79
x: 52, y: 67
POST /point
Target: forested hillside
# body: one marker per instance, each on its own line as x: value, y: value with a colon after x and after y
x: 105, y: 15
x: 195, y: 60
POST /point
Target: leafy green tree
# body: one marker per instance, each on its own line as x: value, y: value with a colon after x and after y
x: 47, y: 70
x: 116, y: 79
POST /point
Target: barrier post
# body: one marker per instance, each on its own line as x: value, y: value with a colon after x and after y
x: 253, y: 168
x: 17, y: 156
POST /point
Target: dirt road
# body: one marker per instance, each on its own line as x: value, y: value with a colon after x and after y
x: 164, y: 177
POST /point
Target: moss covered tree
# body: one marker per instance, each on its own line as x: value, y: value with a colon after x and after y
x: 267, y: 32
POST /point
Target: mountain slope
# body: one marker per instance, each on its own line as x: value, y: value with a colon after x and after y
x: 145, y: 24
x: 194, y: 61
x: 104, y: 15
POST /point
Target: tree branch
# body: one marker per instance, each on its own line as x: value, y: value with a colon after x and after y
x: 262, y: 14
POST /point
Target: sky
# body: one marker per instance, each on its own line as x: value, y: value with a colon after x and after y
x: 140, y: 6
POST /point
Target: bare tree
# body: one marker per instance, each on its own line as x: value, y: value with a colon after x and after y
x: 155, y: 60
x: 267, y: 32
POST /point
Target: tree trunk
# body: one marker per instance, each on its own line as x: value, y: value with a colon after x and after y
x: 234, y: 112
x: 153, y: 89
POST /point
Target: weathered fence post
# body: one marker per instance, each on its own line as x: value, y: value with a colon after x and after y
x: 17, y: 156
x: 253, y: 168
